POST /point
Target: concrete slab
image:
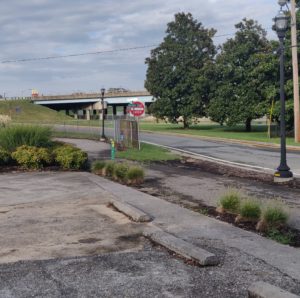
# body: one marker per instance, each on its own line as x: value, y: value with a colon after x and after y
x: 181, y: 247
x: 132, y: 212
x: 265, y: 290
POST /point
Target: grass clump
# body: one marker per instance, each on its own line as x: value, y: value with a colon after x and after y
x: 275, y: 216
x: 135, y: 175
x: 98, y: 167
x: 31, y: 157
x: 231, y: 201
x: 120, y: 171
x: 250, y: 209
x: 12, y: 137
x: 110, y: 169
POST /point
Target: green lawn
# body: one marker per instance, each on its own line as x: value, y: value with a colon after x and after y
x: 147, y: 153
x: 24, y: 111
x: 259, y: 132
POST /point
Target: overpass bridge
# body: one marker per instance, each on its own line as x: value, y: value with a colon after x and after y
x: 88, y: 105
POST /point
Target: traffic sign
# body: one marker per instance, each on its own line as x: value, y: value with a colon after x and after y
x: 136, y: 109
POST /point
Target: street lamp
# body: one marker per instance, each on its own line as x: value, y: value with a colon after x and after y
x: 281, y: 24
x: 103, y: 138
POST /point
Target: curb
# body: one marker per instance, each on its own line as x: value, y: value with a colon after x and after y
x: 264, y: 290
x: 181, y: 247
x: 135, y: 214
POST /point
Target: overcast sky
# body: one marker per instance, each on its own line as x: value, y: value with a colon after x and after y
x: 41, y: 28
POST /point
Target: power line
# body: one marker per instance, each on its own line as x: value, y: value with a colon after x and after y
x: 94, y: 53
x: 78, y: 54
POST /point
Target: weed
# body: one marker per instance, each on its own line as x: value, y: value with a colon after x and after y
x: 283, y: 238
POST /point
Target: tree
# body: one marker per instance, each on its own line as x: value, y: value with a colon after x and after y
x: 176, y: 70
x: 245, y: 70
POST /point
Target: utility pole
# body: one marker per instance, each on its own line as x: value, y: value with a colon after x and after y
x: 295, y: 71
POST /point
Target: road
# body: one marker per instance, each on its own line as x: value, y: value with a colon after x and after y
x: 267, y: 158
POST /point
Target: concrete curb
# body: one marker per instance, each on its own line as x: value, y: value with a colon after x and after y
x: 265, y: 290
x: 135, y: 214
x: 181, y: 247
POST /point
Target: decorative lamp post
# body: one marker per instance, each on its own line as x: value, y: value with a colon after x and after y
x: 283, y: 172
x: 103, y: 138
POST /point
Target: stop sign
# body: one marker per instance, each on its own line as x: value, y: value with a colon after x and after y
x: 136, y: 109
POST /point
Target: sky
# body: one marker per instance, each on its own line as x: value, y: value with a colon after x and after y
x: 43, y: 28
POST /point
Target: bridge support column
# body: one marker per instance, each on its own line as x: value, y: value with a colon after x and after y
x: 125, y: 110
x: 114, y: 110
x: 88, y: 115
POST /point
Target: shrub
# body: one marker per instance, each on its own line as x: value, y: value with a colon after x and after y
x: 98, y: 167
x: 32, y: 157
x: 110, y: 169
x: 13, y: 137
x: 275, y: 216
x: 5, y: 157
x: 231, y: 200
x: 250, y: 209
x: 135, y: 175
x: 70, y: 157
x: 120, y: 171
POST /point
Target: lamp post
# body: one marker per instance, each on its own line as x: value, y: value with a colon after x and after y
x: 103, y: 138
x: 283, y: 172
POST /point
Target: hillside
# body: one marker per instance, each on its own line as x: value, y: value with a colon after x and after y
x: 25, y: 111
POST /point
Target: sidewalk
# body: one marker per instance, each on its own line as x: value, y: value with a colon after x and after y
x: 204, y: 231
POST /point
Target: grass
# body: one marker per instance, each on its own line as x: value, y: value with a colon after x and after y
x: 231, y: 200
x: 12, y: 137
x: 258, y: 134
x: 147, y: 153
x: 250, y: 209
x: 25, y: 111
x: 275, y: 215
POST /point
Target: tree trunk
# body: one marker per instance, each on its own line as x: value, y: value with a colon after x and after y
x: 185, y: 123
x: 248, y: 125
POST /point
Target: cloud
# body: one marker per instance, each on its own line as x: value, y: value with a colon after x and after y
x: 39, y: 28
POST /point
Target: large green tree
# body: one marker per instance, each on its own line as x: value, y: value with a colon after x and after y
x: 176, y: 74
x: 244, y: 73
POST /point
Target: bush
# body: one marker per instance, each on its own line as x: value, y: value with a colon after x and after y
x: 120, y: 171
x: 98, y: 167
x: 15, y: 136
x: 250, y: 209
x: 275, y: 216
x: 70, y: 157
x: 5, y: 157
x: 231, y: 200
x: 32, y: 157
x: 110, y: 169
x: 135, y: 175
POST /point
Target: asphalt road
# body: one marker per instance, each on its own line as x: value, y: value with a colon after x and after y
x: 237, y: 153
